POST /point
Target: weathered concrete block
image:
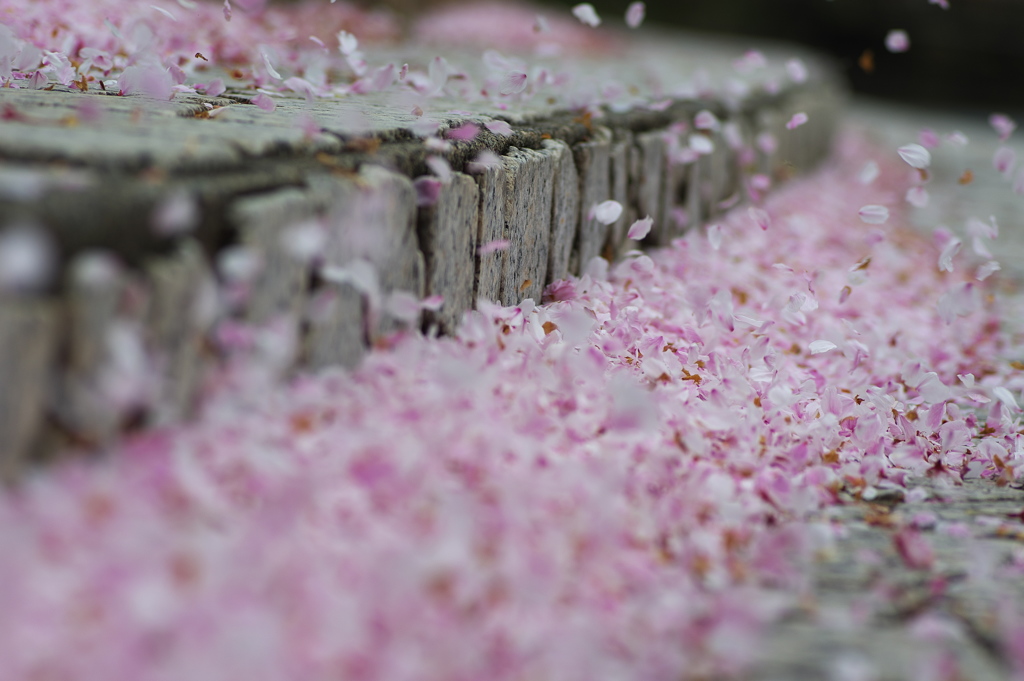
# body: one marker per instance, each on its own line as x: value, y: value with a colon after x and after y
x: 592, y: 164
x: 281, y: 285
x: 529, y: 184
x: 447, y: 239
x: 619, y: 166
x: 28, y: 339
x: 680, y: 205
x: 490, y: 264
x: 564, y: 210
x: 648, y: 182
x: 179, y: 317
x: 95, y: 288
x: 371, y: 243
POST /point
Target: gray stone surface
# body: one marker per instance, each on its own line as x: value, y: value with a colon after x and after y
x: 28, y: 340
x: 565, y: 216
x: 447, y: 237
x: 490, y: 267
x: 97, y: 171
x: 593, y: 165
x: 864, y: 600
x: 649, y: 181
x: 529, y: 188
x: 179, y: 316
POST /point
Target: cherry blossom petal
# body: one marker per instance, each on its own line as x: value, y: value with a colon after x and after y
x: 499, y: 128
x: 986, y: 270
x: 917, y: 197
x: 796, y: 121
x: 760, y: 217
x: 874, y: 214
x: 869, y: 173
x: 466, y: 132
x: 264, y: 102
x: 705, y: 120
x: 1003, y: 125
x: 946, y: 257
x: 641, y: 228
x: 915, y: 155
x: 513, y: 83
x: 897, y: 41
x: 821, y: 346
x: 796, y: 70
x: 1004, y: 160
x: 715, y: 235
x: 635, y: 14
x: 606, y: 212
x: 494, y: 246
x: 586, y: 13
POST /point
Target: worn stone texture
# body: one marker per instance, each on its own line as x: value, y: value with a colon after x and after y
x: 28, y: 340
x: 371, y: 226
x: 179, y: 316
x: 618, y: 167
x: 281, y: 283
x: 528, y: 196
x: 565, y: 211
x: 492, y: 184
x: 447, y: 238
x: 648, y: 180
x: 592, y: 163
x: 966, y: 586
x: 680, y: 204
x: 92, y: 308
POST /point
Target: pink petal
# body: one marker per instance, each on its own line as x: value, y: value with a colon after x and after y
x: 485, y: 160
x: 635, y: 14
x: 715, y: 236
x: 897, y: 41
x: 428, y: 189
x: 440, y: 167
x: 264, y: 102
x: 1004, y: 160
x: 760, y: 217
x: 640, y: 229
x: 1003, y: 125
x: 499, y: 128
x: 215, y: 88
x: 513, y: 83
x: 705, y: 120
x: 494, y: 246
x: 928, y: 138
x: 464, y: 133
x: 586, y: 13
x: 796, y: 121
x: 874, y: 214
x: 227, y: 10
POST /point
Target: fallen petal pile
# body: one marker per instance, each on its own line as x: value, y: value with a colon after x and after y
x: 627, y: 482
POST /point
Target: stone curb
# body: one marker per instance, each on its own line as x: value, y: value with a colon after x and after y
x: 75, y: 355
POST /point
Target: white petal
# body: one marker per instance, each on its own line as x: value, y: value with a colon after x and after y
x: 607, y: 212
x: 946, y: 257
x: 915, y: 155
x: 586, y: 13
x: 874, y: 214
x: 819, y: 346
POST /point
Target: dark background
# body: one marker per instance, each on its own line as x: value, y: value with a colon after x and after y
x: 969, y: 57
